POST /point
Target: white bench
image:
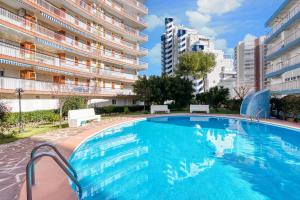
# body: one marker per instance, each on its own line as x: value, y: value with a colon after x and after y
x: 77, y: 118
x: 159, y: 108
x: 199, y: 108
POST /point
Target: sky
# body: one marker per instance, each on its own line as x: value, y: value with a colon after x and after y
x: 226, y: 22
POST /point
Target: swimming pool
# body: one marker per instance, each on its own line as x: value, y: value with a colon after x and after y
x: 190, y: 157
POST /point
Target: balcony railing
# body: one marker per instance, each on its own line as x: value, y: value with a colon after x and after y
x: 285, y: 86
x: 84, y: 25
x: 138, y: 5
x: 128, y: 14
x: 285, y: 19
x: 273, y: 47
x: 57, y: 89
x: 281, y: 65
x: 16, y: 52
x: 80, y: 47
x: 101, y: 15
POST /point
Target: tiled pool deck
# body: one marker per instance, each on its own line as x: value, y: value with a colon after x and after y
x: 50, y: 179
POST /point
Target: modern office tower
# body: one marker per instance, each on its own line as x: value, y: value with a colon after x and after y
x: 179, y: 39
x: 282, y: 73
x: 249, y: 63
x: 70, y: 48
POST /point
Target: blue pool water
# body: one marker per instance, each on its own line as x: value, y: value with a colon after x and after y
x: 172, y: 158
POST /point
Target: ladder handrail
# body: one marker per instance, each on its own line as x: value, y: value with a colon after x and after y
x: 35, y: 149
x: 257, y: 114
x: 58, y: 162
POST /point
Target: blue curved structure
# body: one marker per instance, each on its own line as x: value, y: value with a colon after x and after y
x: 256, y: 104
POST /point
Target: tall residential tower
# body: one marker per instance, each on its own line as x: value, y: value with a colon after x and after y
x: 179, y: 39
x: 282, y: 74
x: 249, y: 63
x: 71, y: 47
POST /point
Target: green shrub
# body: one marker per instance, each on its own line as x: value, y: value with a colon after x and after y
x: 43, y: 116
x: 73, y: 103
x: 3, y: 111
x: 233, y: 104
x: 126, y: 110
x: 290, y: 106
x: 119, y: 109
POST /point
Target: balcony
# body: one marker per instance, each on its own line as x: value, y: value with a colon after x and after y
x: 118, y: 9
x: 68, y: 65
x: 67, y: 43
x: 108, y: 21
x: 137, y: 5
x: 290, y: 87
x: 283, y: 67
x: 97, y: 34
x: 281, y: 44
x: 292, y: 13
x: 8, y: 85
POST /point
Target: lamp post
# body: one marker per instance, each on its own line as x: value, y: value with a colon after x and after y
x: 19, y: 92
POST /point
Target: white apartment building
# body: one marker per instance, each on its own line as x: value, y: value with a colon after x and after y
x: 228, y: 77
x: 249, y: 63
x: 282, y: 73
x: 179, y: 39
x: 70, y: 48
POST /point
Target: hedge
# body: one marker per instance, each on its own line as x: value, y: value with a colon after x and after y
x: 44, y: 116
x: 119, y: 109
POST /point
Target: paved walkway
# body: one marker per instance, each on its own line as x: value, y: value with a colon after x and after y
x: 14, y: 156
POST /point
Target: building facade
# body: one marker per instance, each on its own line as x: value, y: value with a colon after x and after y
x: 179, y: 39
x: 228, y: 78
x: 282, y: 73
x: 249, y: 63
x: 70, y: 48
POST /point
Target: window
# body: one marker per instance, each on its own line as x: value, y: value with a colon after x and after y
x: 113, y: 102
x: 133, y: 102
x: 1, y: 73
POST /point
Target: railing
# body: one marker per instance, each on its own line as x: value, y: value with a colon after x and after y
x: 62, y: 163
x: 139, y: 5
x: 285, y: 86
x: 285, y: 19
x: 101, y: 15
x: 16, y: 52
x: 281, y: 65
x: 118, y: 8
x: 93, y: 51
x: 273, y: 47
x: 84, y: 25
x: 54, y: 88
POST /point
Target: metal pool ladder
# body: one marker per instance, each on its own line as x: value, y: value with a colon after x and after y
x: 60, y: 161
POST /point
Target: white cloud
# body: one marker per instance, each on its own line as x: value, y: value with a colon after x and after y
x: 218, y: 6
x: 154, y: 21
x: 222, y: 44
x: 154, y: 56
x: 200, y: 19
x: 249, y: 37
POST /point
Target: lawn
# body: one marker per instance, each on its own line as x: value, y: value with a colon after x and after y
x: 29, y: 131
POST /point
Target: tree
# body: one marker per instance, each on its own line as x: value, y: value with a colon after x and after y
x: 57, y: 90
x: 215, y: 97
x: 195, y: 64
x: 73, y: 103
x: 3, y: 111
x: 142, y: 90
x: 181, y: 91
x: 241, y: 92
x: 157, y: 90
